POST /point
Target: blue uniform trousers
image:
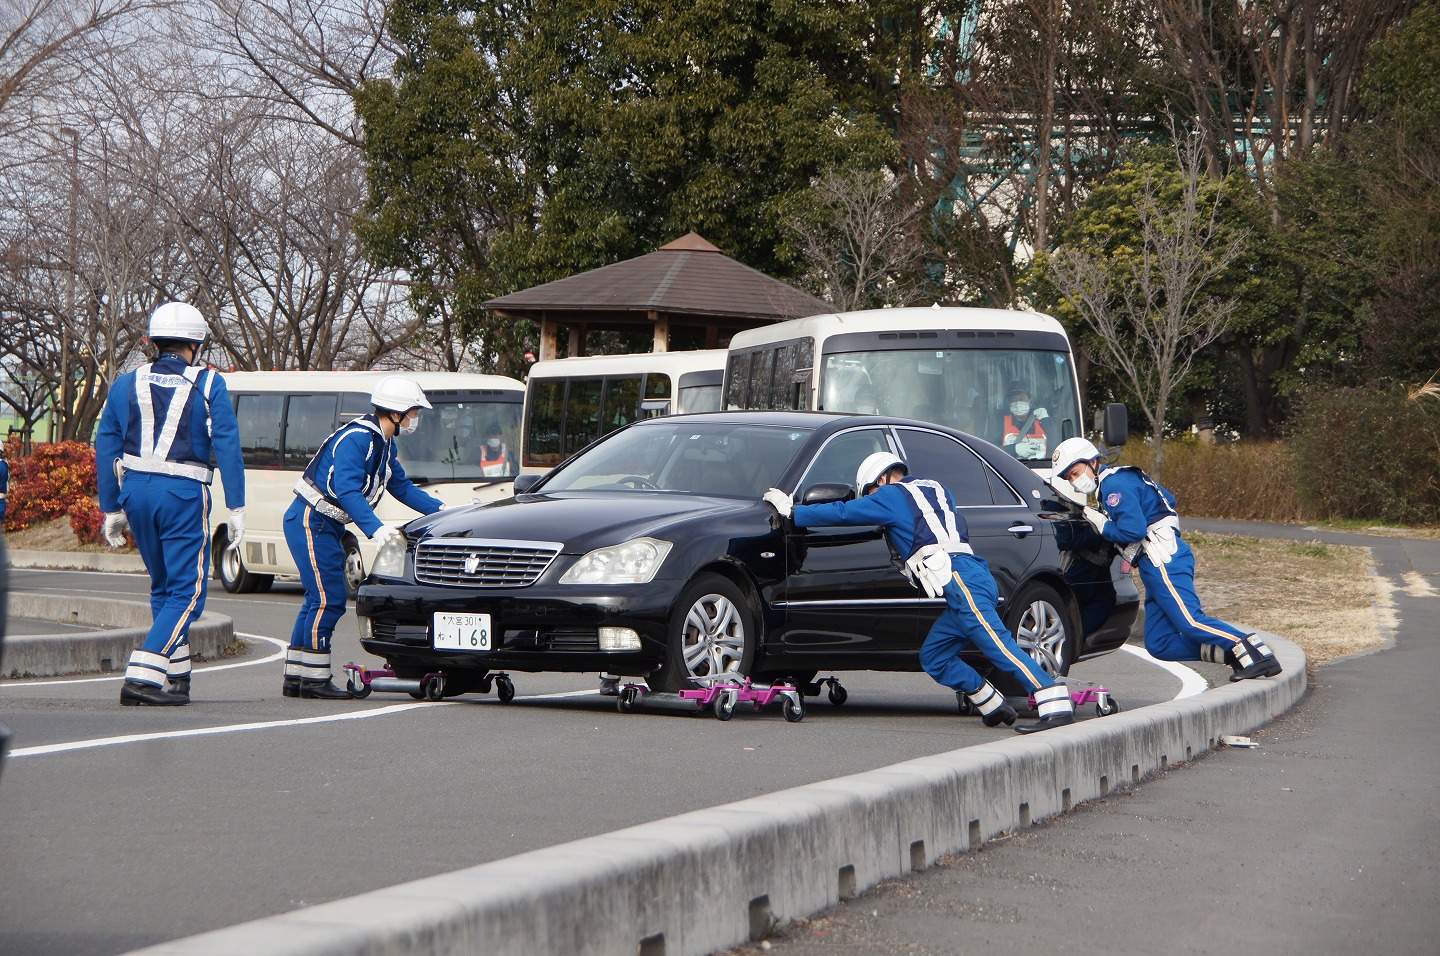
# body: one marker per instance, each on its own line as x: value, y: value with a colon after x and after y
x: 317, y: 544
x: 170, y: 521
x: 970, y: 619
x: 1175, y: 626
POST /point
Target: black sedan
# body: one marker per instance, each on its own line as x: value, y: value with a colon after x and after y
x: 650, y: 553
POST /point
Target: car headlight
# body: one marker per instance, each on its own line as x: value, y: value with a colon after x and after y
x: 634, y: 562
x: 390, y: 562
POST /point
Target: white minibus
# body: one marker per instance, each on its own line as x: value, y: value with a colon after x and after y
x: 1006, y: 376
x: 285, y: 416
x: 570, y: 402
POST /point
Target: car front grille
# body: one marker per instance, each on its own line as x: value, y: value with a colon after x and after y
x: 482, y: 563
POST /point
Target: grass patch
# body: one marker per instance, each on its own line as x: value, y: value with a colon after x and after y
x: 1321, y: 596
x: 54, y: 535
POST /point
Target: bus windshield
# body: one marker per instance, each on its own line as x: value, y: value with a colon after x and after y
x: 1021, y: 399
x: 466, y: 437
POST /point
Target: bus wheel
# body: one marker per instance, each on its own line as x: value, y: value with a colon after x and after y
x: 231, y: 569
x: 354, y: 568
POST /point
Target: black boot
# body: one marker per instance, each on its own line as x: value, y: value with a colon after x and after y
x: 133, y: 693
x: 291, y: 687
x: 1254, y: 659
x: 1055, y: 708
x: 993, y: 707
x: 322, y: 690
x: 180, y: 687
x: 1047, y: 723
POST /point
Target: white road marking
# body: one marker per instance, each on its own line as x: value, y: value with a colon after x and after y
x: 1191, y: 683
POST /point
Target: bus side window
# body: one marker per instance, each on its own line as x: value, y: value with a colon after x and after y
x: 309, y: 420
x: 259, y: 419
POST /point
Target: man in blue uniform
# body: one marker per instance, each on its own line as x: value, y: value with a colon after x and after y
x: 920, y: 519
x: 4, y: 486
x: 1139, y: 515
x: 354, y: 467
x: 161, y: 426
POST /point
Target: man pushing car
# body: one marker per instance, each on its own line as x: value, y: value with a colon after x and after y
x: 919, y: 518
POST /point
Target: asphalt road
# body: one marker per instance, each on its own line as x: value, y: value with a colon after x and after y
x: 124, y: 827
x: 1324, y: 839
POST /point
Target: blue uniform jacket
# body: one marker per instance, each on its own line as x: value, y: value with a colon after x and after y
x: 199, y: 437
x: 351, y: 461
x: 888, y: 506
x: 1133, y: 502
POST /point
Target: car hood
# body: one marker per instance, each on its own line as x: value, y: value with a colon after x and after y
x: 582, y: 520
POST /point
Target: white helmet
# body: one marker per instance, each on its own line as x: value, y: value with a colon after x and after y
x: 874, y: 466
x: 180, y: 321
x: 398, y: 394
x: 1070, y: 451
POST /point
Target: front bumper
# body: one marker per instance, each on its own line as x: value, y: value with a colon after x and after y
x: 538, y: 628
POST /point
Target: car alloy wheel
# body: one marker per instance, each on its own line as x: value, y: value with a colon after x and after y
x: 711, y: 635
x: 1043, y: 629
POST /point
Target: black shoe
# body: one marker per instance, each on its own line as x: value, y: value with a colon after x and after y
x: 609, y: 687
x: 1264, y: 667
x: 180, y: 688
x: 1047, y: 723
x: 291, y: 687
x: 134, y: 694
x: 322, y: 690
x: 1004, y: 714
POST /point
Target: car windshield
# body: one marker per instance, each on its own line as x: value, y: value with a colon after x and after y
x: 708, y: 458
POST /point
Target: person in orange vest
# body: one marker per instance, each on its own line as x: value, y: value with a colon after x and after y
x: 495, y: 458
x: 1023, y: 434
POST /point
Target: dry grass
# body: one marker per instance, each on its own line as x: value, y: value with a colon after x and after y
x: 1321, y: 596
x: 53, y: 535
x: 1251, y: 481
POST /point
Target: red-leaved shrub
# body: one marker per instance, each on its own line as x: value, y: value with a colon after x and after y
x: 87, y: 520
x: 51, y: 482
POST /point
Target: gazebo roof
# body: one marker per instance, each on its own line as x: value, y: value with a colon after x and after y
x: 686, y: 277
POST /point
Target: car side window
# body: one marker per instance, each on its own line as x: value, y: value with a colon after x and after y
x: 842, y: 455
x: 950, y: 462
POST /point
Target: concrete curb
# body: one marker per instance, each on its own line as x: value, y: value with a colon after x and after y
x: 711, y: 879
x: 77, y: 561
x: 126, y: 623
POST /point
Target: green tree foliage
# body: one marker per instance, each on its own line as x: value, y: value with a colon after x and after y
x: 523, y: 142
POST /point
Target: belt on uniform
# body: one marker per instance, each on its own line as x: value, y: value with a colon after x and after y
x: 159, y: 466
x: 313, y: 497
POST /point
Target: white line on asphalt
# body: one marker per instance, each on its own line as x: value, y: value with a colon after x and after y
x: 1191, y: 682
x: 199, y: 670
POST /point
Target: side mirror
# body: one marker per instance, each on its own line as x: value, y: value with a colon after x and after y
x: 826, y: 492
x: 524, y: 483
x: 1115, y: 425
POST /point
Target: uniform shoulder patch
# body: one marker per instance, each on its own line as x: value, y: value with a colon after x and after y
x: 1112, y: 499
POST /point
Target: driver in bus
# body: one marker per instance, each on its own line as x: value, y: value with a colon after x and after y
x: 496, y: 461
x: 1023, y: 431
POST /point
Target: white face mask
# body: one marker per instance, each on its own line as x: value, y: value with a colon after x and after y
x: 493, y: 443
x: 1085, y: 484
x: 1019, y: 409
x: 408, y: 426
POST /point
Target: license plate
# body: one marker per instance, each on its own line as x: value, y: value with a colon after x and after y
x: 462, y: 632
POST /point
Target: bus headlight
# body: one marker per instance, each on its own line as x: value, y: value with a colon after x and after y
x: 634, y: 562
x: 390, y: 562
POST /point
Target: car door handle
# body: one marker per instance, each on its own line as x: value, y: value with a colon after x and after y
x: 1020, y: 530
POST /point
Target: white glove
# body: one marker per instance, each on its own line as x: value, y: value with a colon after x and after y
x: 1041, y: 413
x: 1097, y: 519
x: 237, y: 529
x: 1012, y: 438
x: 780, y: 501
x: 114, y: 528
x: 384, y: 534
x: 930, y: 568
x: 1030, y: 448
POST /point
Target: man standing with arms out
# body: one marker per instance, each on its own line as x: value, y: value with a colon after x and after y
x: 920, y: 519
x: 1139, y: 516
x: 160, y: 427
x: 354, y: 467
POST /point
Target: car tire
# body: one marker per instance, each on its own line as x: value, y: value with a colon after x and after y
x: 1042, y: 624
x: 230, y: 568
x: 354, y: 567
x: 712, y: 632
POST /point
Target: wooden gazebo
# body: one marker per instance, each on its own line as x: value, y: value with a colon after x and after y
x: 684, y: 286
